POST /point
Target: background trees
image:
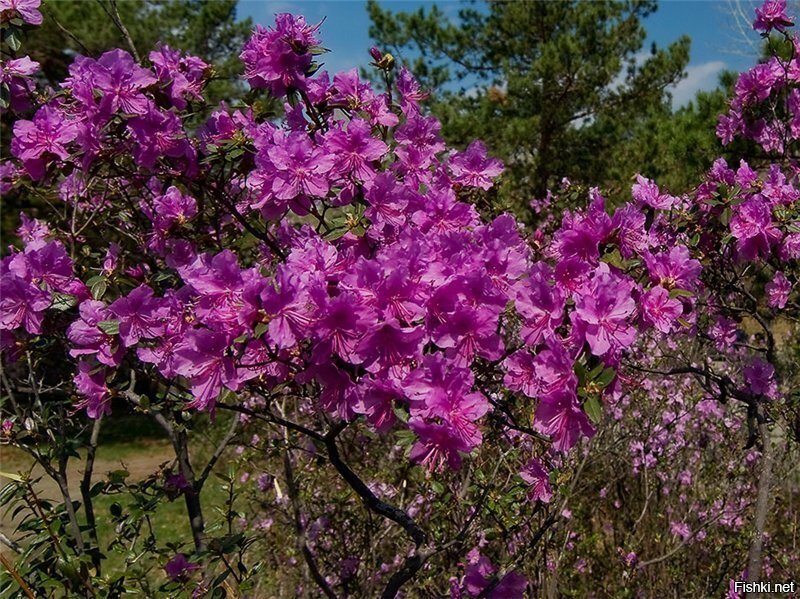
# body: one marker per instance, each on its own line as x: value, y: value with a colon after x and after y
x: 557, y: 89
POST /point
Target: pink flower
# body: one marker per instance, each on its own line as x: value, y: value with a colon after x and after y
x: 473, y: 168
x: 772, y: 15
x: 539, y: 480
x: 561, y: 417
x: 778, y: 291
x: 27, y: 10
x: 760, y: 378
x: 659, y: 310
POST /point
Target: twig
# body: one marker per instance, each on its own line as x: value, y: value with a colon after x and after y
x: 15, y: 575
x: 114, y: 16
x: 218, y: 453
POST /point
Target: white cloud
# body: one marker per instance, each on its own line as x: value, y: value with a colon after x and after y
x: 703, y: 76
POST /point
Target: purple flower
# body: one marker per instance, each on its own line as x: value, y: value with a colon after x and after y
x: 355, y: 150
x: 561, y: 417
x: 89, y: 339
x: 659, y: 310
x: 673, y: 269
x: 472, y: 167
x: 390, y: 347
x: 140, y: 316
x: 179, y: 569
x: 91, y: 383
x: 288, y: 309
x: 646, y: 193
x: 467, y: 332
x: 539, y: 480
x: 603, y: 308
x: 341, y: 326
x: 36, y: 142
x: 760, y: 378
x: 723, y: 333
x: 377, y: 399
x: 772, y: 15
x: 752, y: 226
x: 277, y: 59
x: 121, y: 81
x: 22, y: 304
x: 16, y: 75
x: 541, y: 307
x: 160, y: 133
x: 182, y: 76
x: 300, y: 167
x: 438, y: 444
x: 27, y: 10
x: 201, y: 357
x: 778, y: 291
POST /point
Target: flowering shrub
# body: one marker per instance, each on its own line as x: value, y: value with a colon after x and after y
x: 324, y: 278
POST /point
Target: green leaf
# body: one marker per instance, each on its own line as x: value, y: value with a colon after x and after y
x: 593, y: 410
x: 680, y: 293
x: 118, y: 476
x: 109, y: 327
x: 14, y: 39
x: 606, y: 377
x: 401, y: 414
x: 98, y: 288
x: 260, y: 329
x: 63, y: 301
x: 8, y: 475
x: 580, y: 372
x: 437, y: 487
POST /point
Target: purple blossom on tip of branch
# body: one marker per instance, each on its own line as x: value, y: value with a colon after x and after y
x: 772, y: 15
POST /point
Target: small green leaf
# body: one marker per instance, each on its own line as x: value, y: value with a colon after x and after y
x: 14, y: 39
x: 260, y: 329
x: 680, y: 293
x: 8, y: 475
x: 98, y: 288
x: 593, y: 410
x: 109, y: 327
x: 606, y: 377
x: 63, y: 301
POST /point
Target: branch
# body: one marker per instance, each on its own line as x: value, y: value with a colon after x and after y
x: 291, y: 483
x: 114, y: 16
x: 762, y: 506
x: 17, y: 578
x: 86, y: 485
x: 272, y: 419
x: 218, y: 453
x: 372, y: 502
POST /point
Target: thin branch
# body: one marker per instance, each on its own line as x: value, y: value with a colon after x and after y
x: 17, y: 578
x: 113, y: 14
x: 218, y: 452
x: 372, y: 502
x: 86, y: 486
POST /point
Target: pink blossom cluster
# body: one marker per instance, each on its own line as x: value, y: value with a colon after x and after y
x: 332, y: 256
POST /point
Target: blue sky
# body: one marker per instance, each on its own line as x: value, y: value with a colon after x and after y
x: 719, y: 40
